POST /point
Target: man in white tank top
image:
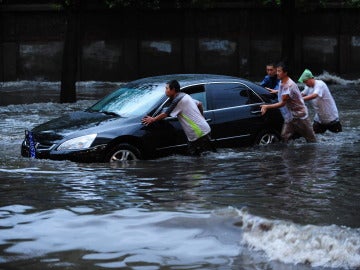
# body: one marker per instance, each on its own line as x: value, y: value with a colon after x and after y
x: 186, y: 109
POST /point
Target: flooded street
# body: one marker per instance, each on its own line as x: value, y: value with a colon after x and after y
x: 294, y: 206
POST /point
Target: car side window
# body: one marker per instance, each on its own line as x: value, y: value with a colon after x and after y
x: 251, y: 96
x: 224, y: 95
x: 197, y: 92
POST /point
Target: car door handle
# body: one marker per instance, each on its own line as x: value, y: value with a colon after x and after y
x: 171, y: 118
x: 208, y: 120
x: 255, y: 112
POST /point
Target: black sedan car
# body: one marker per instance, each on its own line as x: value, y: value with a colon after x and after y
x: 111, y: 129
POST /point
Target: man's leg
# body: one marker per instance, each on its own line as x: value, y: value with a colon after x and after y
x: 287, y: 131
x: 318, y: 128
x: 200, y: 145
x: 335, y: 126
x: 303, y: 126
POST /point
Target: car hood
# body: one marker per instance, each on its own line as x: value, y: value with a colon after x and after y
x: 77, y: 121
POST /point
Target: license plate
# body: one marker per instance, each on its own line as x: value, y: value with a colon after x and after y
x: 30, y: 138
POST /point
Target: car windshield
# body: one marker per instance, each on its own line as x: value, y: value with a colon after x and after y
x: 131, y: 100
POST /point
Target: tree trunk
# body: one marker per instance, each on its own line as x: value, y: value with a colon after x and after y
x: 288, y: 41
x: 70, y: 55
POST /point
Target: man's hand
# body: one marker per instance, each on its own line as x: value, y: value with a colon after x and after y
x: 148, y: 120
x: 200, y: 107
x: 310, y: 97
x: 272, y: 91
x: 263, y: 109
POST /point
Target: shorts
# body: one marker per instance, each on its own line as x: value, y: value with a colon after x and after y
x: 300, y: 127
x: 333, y: 126
x: 200, y: 145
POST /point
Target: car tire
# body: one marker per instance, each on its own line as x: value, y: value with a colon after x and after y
x: 123, y: 152
x: 266, y: 137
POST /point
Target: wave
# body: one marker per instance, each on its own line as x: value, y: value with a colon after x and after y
x: 54, y: 85
x: 42, y: 107
x: 334, y: 79
x: 317, y: 246
x: 191, y: 237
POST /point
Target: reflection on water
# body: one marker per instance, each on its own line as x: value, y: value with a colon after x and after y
x: 282, y: 206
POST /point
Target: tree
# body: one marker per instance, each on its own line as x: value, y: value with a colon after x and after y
x: 70, y: 51
x: 73, y: 10
x: 288, y: 42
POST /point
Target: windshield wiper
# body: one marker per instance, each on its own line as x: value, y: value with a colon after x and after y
x: 110, y: 113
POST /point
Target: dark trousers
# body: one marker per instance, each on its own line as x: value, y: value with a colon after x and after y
x: 298, y: 127
x: 202, y: 144
x: 334, y: 126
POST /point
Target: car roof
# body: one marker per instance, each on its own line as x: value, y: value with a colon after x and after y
x: 186, y: 80
x: 189, y: 79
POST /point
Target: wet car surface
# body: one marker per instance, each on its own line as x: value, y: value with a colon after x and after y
x: 111, y: 129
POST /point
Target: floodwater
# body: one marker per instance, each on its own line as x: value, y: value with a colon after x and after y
x: 294, y: 206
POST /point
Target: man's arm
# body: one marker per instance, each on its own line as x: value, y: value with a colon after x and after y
x: 272, y: 91
x: 310, y: 97
x: 265, y: 81
x: 148, y: 119
x: 279, y: 104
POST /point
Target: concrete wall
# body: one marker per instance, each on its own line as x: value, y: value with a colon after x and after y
x: 123, y: 45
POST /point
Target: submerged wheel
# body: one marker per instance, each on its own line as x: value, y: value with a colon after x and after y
x: 267, y: 137
x: 123, y: 152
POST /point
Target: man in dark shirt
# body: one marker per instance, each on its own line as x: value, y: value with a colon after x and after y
x: 271, y: 81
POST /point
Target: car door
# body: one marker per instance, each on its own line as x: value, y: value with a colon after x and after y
x: 236, y: 113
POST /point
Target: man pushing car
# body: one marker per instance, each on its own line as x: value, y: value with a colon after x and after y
x: 189, y: 113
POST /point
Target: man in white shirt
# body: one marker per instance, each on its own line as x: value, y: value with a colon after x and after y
x: 326, y: 113
x: 189, y: 113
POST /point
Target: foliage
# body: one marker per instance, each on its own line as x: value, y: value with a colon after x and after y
x: 156, y: 4
x: 146, y: 4
x: 321, y: 3
x: 133, y: 3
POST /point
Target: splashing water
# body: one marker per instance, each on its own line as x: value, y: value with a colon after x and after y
x: 326, y: 246
x: 333, y: 79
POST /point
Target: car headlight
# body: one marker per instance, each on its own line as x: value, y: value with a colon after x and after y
x: 78, y: 143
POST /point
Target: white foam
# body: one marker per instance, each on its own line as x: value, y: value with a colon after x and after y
x: 287, y: 242
x: 334, y: 79
x: 29, y: 84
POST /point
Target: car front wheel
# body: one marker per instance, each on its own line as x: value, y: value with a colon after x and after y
x: 123, y: 152
x: 267, y: 137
